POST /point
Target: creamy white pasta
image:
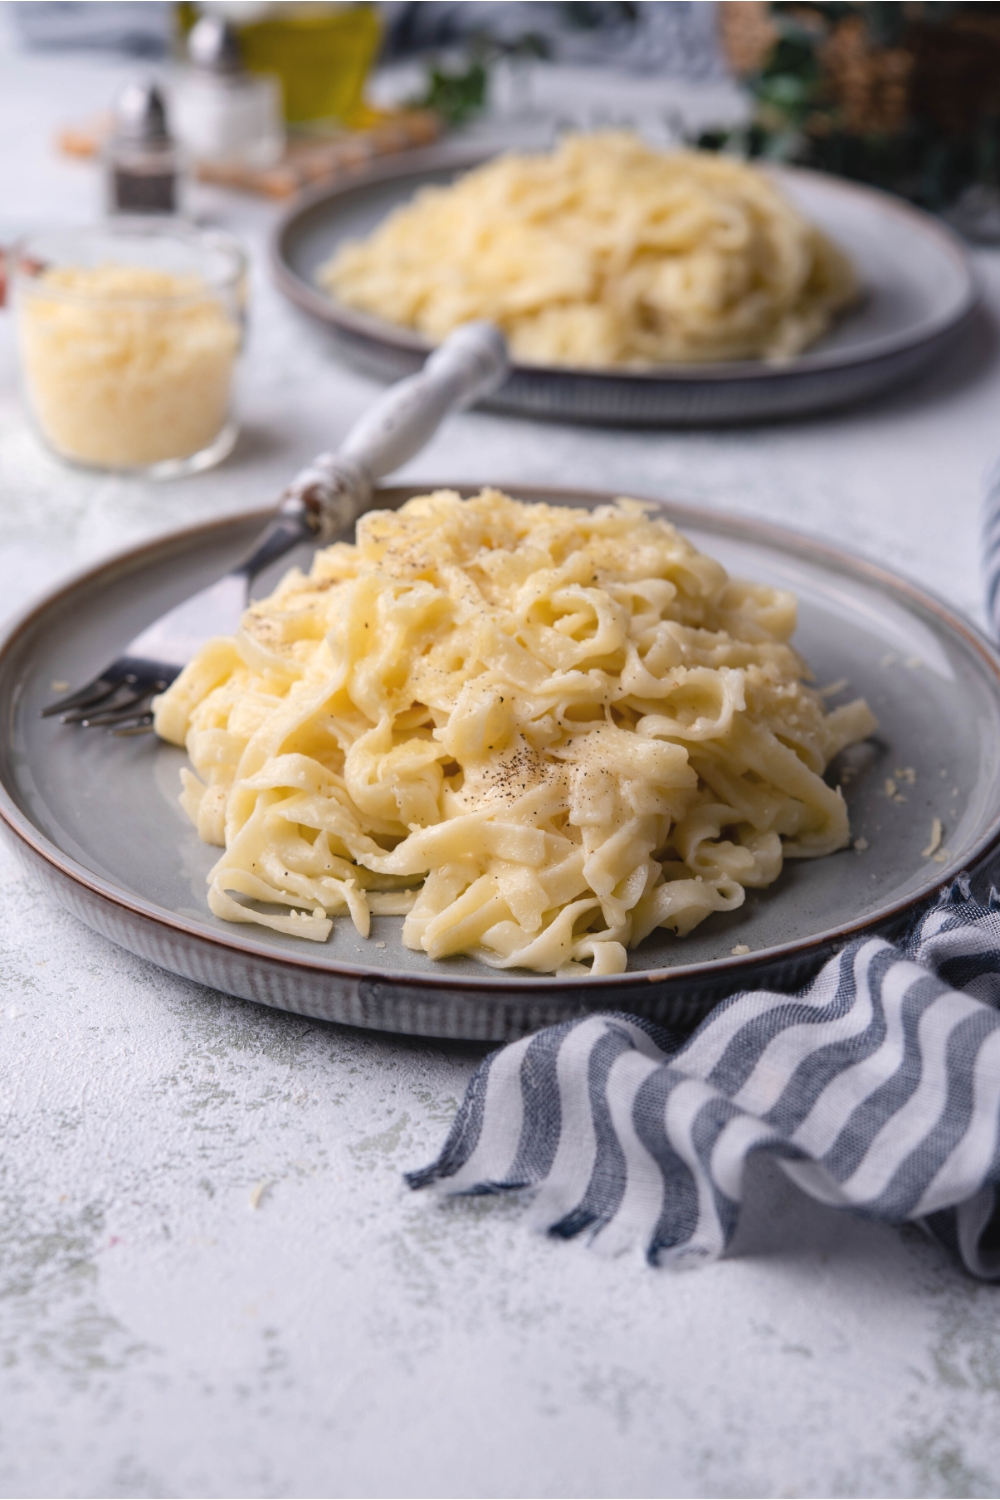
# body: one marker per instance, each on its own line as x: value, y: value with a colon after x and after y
x: 604, y: 252
x: 537, y: 731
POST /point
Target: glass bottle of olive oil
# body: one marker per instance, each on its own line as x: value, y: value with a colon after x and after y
x: 321, y: 52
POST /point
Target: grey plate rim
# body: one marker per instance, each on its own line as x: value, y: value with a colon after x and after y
x: 22, y: 831
x: 457, y: 156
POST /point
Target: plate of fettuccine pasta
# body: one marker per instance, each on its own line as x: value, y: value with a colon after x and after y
x: 633, y: 284
x: 494, y: 759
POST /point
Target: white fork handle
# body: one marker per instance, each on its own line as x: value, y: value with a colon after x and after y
x: 337, y: 487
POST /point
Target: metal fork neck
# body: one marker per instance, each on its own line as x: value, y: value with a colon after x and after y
x: 333, y: 490
x: 289, y: 527
x: 321, y: 501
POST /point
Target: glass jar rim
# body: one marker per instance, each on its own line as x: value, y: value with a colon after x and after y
x: 27, y: 264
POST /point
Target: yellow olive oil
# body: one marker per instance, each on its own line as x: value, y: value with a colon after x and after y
x: 321, y: 52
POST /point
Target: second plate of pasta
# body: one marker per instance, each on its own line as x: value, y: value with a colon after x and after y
x: 860, y: 290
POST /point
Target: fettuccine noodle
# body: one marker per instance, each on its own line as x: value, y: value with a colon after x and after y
x: 604, y: 252
x: 537, y: 731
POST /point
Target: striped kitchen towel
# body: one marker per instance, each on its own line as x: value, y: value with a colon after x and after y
x: 877, y: 1088
x: 990, y: 550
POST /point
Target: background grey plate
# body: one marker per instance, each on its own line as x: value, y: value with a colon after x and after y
x: 919, y: 285
x: 98, y: 821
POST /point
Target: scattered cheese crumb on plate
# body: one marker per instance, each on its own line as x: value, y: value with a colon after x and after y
x: 937, y: 833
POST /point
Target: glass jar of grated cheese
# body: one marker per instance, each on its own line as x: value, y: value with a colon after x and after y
x: 128, y: 336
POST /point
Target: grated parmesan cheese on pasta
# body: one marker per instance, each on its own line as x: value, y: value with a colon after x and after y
x: 604, y: 252
x: 536, y: 731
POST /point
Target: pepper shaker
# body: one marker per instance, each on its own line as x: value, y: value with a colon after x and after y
x: 144, y: 168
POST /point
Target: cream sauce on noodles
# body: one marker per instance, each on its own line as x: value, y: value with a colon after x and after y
x: 604, y: 252
x: 536, y: 731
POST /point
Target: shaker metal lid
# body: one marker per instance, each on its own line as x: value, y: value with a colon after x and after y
x: 140, y: 113
x: 214, y: 46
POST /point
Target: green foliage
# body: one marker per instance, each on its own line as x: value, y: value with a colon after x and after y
x: 456, y: 96
x: 458, y: 93
x: 796, y: 119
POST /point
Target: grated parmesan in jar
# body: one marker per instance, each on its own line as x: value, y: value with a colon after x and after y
x: 126, y: 366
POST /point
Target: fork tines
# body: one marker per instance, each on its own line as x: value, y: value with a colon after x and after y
x: 118, y: 699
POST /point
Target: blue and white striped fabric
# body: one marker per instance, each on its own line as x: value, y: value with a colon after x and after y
x: 877, y: 1087
x: 991, y: 550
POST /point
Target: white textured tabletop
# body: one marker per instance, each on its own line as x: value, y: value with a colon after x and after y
x: 163, y: 1336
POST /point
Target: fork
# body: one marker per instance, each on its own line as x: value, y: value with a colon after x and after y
x: 322, y: 500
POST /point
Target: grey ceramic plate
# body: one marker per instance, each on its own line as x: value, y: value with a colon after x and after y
x: 920, y: 293
x: 98, y: 822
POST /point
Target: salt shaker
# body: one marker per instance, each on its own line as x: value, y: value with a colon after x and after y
x: 223, y: 113
x: 143, y: 164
